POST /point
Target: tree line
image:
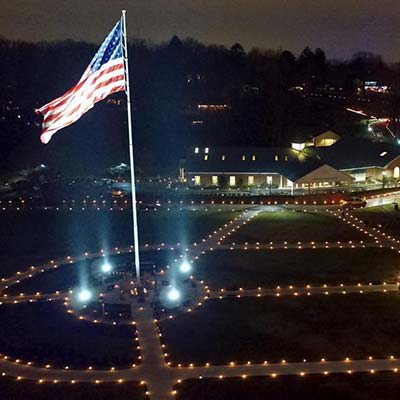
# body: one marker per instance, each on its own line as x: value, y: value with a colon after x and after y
x: 168, y: 82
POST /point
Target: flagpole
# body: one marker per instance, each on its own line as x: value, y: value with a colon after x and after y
x: 132, y: 163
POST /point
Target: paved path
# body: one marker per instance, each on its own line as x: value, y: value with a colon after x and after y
x: 30, y: 298
x: 382, y: 199
x: 307, y: 290
x: 240, y: 292
x: 215, y: 239
x: 297, y: 368
x: 155, y: 372
x: 297, y: 245
x: 160, y: 378
x: 54, y: 264
x: 377, y: 234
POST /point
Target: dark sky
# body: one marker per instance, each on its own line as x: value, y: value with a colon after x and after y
x: 340, y: 27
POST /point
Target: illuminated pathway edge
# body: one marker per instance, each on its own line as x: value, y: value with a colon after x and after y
x: 154, y: 371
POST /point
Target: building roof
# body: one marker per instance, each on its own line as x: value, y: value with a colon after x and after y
x: 329, y: 133
x: 288, y: 162
x: 346, y: 154
x: 325, y: 173
x: 310, y: 136
x: 355, y: 153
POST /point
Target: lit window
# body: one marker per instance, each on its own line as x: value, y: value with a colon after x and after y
x: 232, y: 181
x: 206, y: 150
x: 286, y: 158
x: 206, y: 157
x: 197, y: 180
x: 243, y: 157
x: 298, y: 146
x: 250, y: 180
x: 383, y: 153
x: 253, y: 157
x: 269, y: 180
x: 276, y: 157
x: 223, y: 157
x: 196, y: 150
x: 214, y: 180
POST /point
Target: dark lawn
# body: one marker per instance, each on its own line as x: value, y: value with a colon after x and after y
x: 268, y: 268
x: 358, y: 386
x: 386, y: 216
x: 30, y: 237
x: 45, y: 333
x: 293, y: 226
x: 272, y: 329
x: 28, y: 390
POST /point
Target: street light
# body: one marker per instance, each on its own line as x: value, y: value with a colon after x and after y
x: 106, y: 268
x: 173, y: 294
x: 185, y: 267
x: 84, y: 295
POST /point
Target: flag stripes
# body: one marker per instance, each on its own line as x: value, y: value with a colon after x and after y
x: 104, y: 75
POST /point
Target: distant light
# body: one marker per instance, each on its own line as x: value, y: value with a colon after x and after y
x: 185, y: 267
x: 173, y: 294
x: 84, y: 295
x: 106, y: 267
x: 298, y: 146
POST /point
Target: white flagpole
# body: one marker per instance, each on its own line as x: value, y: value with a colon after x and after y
x: 132, y: 163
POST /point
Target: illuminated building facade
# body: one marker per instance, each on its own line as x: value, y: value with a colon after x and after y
x: 345, y: 161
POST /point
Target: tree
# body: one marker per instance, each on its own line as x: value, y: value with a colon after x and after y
x: 366, y: 65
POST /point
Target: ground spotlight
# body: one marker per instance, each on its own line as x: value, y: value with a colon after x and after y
x: 185, y: 267
x: 84, y: 295
x: 106, y: 267
x: 173, y: 294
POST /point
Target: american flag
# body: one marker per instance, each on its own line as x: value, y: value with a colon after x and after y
x: 104, y: 75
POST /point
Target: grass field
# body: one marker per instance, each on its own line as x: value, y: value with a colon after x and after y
x: 386, y: 216
x: 272, y: 329
x: 359, y: 386
x: 45, y: 333
x: 268, y: 268
x: 31, y: 237
x: 293, y: 226
x: 28, y: 390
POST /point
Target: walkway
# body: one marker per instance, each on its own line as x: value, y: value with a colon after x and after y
x: 153, y: 371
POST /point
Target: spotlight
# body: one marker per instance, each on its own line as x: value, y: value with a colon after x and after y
x: 106, y: 267
x: 185, y: 267
x: 84, y: 295
x: 173, y: 294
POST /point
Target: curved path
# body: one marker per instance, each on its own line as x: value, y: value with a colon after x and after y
x: 154, y: 370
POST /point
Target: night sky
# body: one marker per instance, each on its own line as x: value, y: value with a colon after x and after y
x: 340, y: 27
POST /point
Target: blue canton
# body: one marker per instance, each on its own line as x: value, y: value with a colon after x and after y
x: 110, y: 49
